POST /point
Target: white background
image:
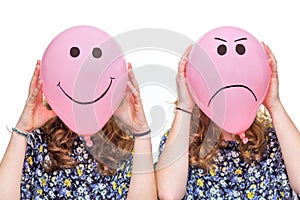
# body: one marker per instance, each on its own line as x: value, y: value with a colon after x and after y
x: 27, y: 27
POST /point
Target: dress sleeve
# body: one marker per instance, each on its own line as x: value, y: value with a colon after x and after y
x: 273, y: 150
x: 277, y: 167
x: 162, y: 143
x: 32, y: 164
x: 120, y: 182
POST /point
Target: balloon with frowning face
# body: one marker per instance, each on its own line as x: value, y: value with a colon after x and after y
x: 84, y: 78
x: 228, y: 76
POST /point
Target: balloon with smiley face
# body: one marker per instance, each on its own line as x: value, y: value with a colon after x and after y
x: 84, y: 78
x: 228, y: 76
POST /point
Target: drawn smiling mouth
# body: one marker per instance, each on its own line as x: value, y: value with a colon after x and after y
x: 230, y: 86
x: 87, y: 102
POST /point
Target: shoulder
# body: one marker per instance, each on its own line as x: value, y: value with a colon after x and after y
x: 36, y: 138
x: 271, y: 137
x: 273, y: 149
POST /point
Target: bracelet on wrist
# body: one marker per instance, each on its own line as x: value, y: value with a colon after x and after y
x: 20, y: 132
x: 26, y: 135
x: 183, y: 110
x: 136, y: 135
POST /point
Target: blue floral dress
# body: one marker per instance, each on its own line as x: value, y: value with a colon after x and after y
x: 237, y: 179
x: 80, y: 182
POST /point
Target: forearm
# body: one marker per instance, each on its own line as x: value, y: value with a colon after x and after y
x: 289, y: 140
x: 11, y: 167
x: 172, y: 167
x: 142, y: 182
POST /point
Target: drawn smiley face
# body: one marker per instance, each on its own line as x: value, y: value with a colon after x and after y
x: 228, y: 76
x: 96, y: 53
x: 84, y: 77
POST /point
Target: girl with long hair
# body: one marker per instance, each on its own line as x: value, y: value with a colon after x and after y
x: 195, y: 165
x: 46, y: 160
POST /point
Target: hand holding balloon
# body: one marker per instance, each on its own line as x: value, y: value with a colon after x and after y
x: 185, y: 100
x: 34, y: 114
x: 272, y: 98
x: 131, y: 110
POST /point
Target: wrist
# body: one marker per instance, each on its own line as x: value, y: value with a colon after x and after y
x: 184, y: 110
x: 22, y: 127
x: 141, y: 135
x: 18, y: 137
x: 276, y: 105
x: 186, y: 106
x: 140, y: 128
x: 18, y: 134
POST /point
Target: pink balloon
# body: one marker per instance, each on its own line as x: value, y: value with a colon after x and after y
x: 84, y: 78
x: 228, y: 76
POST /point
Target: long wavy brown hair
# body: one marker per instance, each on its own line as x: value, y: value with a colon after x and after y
x: 114, y: 145
x: 201, y: 125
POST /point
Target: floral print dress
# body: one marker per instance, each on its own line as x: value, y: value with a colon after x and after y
x: 80, y: 182
x: 237, y: 179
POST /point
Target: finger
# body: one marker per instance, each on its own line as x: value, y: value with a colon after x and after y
x: 272, y: 63
x: 128, y: 92
x: 36, y: 92
x: 40, y: 88
x: 272, y: 60
x: 132, y: 78
x: 35, y: 77
x: 183, y: 61
x: 269, y: 52
x: 129, y: 66
x: 134, y: 91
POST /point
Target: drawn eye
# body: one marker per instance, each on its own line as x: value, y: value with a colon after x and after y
x: 74, y: 52
x: 97, y: 53
x: 240, y: 49
x: 222, y: 49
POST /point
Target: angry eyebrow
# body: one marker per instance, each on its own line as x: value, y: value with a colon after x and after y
x: 240, y: 39
x: 216, y: 38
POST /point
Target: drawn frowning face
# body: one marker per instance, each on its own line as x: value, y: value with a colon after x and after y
x: 228, y: 76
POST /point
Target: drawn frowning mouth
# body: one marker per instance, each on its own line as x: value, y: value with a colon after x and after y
x: 87, y: 102
x: 230, y: 86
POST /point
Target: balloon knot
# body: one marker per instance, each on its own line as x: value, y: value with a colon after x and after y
x: 88, y: 141
x: 243, y: 138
